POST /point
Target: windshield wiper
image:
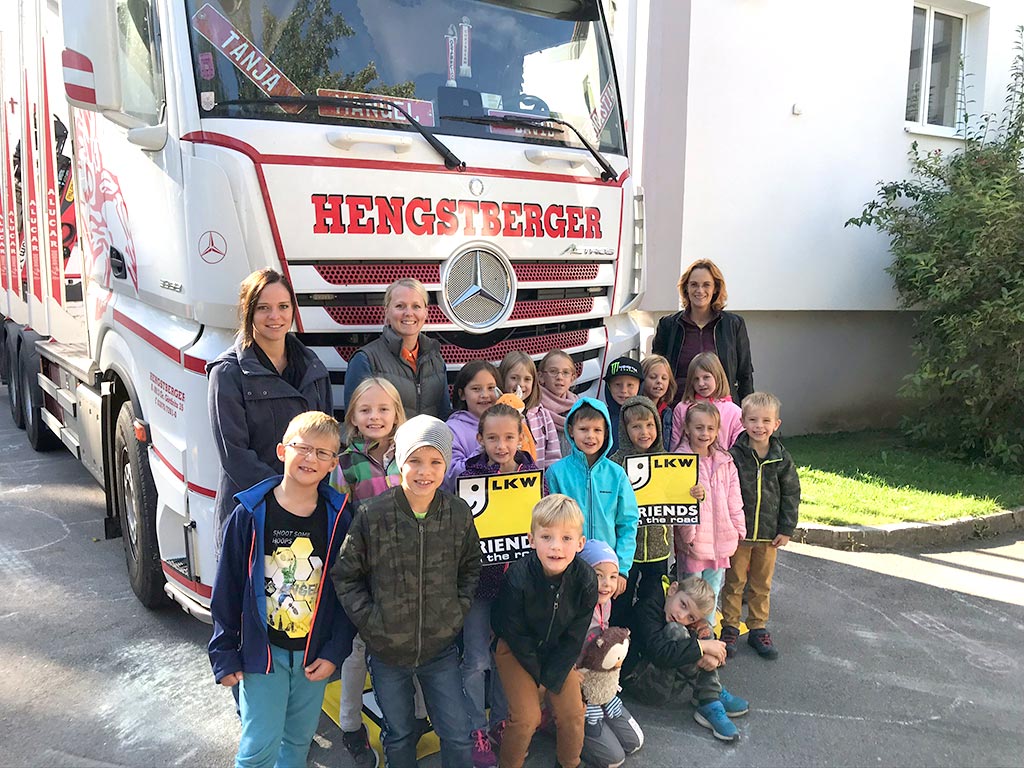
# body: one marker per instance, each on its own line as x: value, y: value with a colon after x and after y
x: 451, y: 162
x: 607, y: 172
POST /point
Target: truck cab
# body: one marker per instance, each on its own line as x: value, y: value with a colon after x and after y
x: 476, y: 145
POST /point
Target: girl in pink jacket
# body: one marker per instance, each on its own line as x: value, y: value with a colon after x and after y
x: 704, y: 549
x: 706, y: 381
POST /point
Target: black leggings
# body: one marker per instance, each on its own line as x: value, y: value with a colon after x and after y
x: 644, y: 581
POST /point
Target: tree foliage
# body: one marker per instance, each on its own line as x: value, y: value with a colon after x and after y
x: 306, y: 43
x: 956, y: 229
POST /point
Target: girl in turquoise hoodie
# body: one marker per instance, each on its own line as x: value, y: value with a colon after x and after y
x: 598, y: 484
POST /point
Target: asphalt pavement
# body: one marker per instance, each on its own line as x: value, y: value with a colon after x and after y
x: 888, y: 660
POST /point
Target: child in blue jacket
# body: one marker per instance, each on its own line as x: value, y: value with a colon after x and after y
x: 598, y: 484
x: 278, y: 629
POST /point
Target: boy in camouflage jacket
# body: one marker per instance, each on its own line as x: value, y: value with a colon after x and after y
x: 406, y: 577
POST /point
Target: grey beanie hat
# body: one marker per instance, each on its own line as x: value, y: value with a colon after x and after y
x: 420, y: 431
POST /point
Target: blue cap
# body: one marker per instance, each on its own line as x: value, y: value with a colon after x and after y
x: 596, y: 552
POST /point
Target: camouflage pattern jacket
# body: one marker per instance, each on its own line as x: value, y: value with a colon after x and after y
x: 407, y: 584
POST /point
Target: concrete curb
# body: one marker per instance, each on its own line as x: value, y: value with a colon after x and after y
x: 908, y: 535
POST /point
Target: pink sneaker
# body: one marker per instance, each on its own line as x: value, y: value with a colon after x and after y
x: 483, y: 755
x: 496, y: 732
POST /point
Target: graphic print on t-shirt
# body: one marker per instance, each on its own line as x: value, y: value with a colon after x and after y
x: 293, y: 575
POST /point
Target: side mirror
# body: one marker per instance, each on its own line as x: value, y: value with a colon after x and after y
x: 149, y: 137
x: 92, y: 79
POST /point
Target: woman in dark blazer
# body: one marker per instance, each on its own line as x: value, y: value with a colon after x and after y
x: 260, y: 385
x: 703, y: 325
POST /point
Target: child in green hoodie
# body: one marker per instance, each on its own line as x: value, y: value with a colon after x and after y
x: 640, y: 432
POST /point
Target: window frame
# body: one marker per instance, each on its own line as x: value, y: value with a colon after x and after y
x: 128, y: 120
x: 921, y: 125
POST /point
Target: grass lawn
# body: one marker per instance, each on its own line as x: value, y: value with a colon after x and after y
x: 873, y: 478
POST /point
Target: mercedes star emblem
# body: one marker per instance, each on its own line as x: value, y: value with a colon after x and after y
x: 477, y: 288
x: 212, y: 247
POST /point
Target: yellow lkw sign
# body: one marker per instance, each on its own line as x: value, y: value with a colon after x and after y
x: 662, y: 483
x: 502, y: 506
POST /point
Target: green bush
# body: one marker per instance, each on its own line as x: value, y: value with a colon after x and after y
x: 956, y: 230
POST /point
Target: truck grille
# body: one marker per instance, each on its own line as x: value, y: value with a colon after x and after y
x: 524, y: 310
x: 536, y: 345
x: 385, y: 274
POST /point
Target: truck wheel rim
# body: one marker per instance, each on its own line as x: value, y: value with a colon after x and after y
x: 130, y: 511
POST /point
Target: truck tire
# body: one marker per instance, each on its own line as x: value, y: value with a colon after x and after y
x: 14, y: 379
x: 39, y: 435
x: 135, y: 499
x: 3, y: 352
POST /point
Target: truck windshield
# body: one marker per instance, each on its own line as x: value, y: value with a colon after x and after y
x: 442, y: 60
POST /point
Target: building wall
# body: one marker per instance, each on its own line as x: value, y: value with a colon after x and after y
x: 764, y: 127
x: 832, y: 370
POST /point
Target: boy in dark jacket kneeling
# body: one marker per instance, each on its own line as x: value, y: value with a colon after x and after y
x: 541, y: 618
x: 406, y: 576
x: 278, y: 630
x: 665, y: 656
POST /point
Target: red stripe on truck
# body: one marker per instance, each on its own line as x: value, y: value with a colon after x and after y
x: 75, y: 60
x: 164, y: 347
x: 195, y: 365
x: 200, y: 589
x: 80, y: 93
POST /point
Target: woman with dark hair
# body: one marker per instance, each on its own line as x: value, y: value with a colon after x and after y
x: 404, y: 355
x: 703, y: 325
x: 259, y: 385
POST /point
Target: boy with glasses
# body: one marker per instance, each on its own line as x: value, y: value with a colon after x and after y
x: 278, y: 630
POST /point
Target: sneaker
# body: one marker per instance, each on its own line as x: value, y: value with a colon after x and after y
x: 358, y: 745
x: 483, y: 755
x: 423, y: 727
x: 761, y: 642
x: 735, y: 706
x: 730, y: 636
x: 496, y: 732
x: 712, y: 715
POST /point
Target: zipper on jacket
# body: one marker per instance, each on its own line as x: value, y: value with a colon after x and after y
x: 259, y: 619
x: 554, y: 612
x: 590, y: 495
x: 757, y: 507
x: 419, y: 617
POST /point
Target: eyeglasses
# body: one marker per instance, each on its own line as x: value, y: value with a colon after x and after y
x: 304, y: 450
x: 558, y: 373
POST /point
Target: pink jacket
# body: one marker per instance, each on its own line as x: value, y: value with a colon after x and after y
x: 722, y: 523
x: 732, y: 422
x: 544, y: 435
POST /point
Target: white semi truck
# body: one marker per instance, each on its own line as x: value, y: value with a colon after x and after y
x: 477, y: 145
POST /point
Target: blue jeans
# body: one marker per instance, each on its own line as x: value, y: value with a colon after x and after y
x: 441, y: 682
x: 477, y: 661
x: 280, y: 713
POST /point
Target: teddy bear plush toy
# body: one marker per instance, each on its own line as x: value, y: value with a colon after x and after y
x: 600, y: 664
